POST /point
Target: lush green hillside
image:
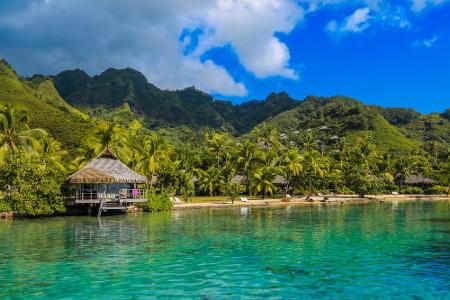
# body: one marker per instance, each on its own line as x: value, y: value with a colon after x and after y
x: 161, y: 108
x: 247, y: 115
x: 123, y: 96
x: 337, y: 117
x: 46, y: 108
x: 430, y: 127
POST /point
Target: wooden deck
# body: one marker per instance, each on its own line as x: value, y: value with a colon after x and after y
x: 97, y: 201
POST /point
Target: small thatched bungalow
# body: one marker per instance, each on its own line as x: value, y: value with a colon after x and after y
x: 414, y: 180
x: 106, y: 178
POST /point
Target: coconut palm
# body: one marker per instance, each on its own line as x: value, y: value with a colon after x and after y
x: 263, y: 180
x: 110, y: 135
x: 156, y: 151
x: 267, y: 137
x: 14, y: 130
x: 308, y: 142
x: 217, y: 143
x: 211, y: 180
x: 444, y: 176
x: 292, y: 164
x: 314, y: 169
x: 52, y: 152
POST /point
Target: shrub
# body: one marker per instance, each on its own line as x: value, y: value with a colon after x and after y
x: 436, y: 190
x: 411, y: 190
x: 156, y: 202
x: 4, y: 206
x: 364, y: 184
x: 35, y: 189
x: 233, y: 190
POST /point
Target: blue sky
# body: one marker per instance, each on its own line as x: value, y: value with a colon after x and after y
x: 390, y: 53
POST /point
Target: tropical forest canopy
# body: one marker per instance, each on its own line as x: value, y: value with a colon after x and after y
x: 192, y: 143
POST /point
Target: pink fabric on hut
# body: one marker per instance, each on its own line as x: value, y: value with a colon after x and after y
x: 135, y: 192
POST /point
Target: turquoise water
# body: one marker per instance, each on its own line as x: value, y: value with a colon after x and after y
x: 351, y: 252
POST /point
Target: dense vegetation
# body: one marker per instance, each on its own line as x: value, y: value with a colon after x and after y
x: 191, y: 107
x: 48, y: 110
x: 317, y: 145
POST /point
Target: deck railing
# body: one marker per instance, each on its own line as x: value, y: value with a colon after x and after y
x: 123, y: 194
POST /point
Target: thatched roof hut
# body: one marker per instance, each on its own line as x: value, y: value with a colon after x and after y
x: 239, y: 179
x: 106, y: 168
x: 415, y: 180
x: 280, y: 180
x: 418, y: 180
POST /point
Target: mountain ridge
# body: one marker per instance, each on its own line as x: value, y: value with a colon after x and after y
x: 64, y: 105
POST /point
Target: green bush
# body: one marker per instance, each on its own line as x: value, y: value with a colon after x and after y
x: 35, y: 189
x: 4, y: 206
x: 411, y: 190
x: 156, y: 202
x: 436, y: 190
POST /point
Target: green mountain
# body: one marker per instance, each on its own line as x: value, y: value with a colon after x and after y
x: 191, y: 107
x: 69, y: 104
x: 48, y: 110
x: 336, y: 117
x: 429, y: 127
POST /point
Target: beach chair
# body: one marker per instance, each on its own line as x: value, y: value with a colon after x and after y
x: 244, y: 199
x: 177, y: 200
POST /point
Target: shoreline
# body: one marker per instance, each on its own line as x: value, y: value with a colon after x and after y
x: 271, y: 202
x: 338, y: 199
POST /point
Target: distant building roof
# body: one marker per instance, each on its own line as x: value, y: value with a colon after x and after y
x: 106, y: 168
x: 239, y: 179
x: 414, y: 180
x: 280, y: 180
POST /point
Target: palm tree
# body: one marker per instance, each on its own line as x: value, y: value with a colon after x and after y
x: 156, y: 151
x: 313, y: 169
x: 263, y: 180
x: 110, y: 135
x: 292, y: 164
x: 211, y: 180
x: 308, y: 142
x: 333, y: 174
x: 267, y: 137
x: 14, y: 130
x: 52, y: 152
x: 217, y: 143
x: 444, y: 176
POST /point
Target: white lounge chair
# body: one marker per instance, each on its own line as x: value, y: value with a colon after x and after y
x: 175, y: 199
x: 288, y: 196
x: 244, y: 199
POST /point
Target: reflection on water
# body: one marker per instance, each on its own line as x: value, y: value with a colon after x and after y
x: 353, y: 251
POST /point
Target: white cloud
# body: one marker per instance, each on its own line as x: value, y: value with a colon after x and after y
x: 95, y: 35
x: 427, y: 43
x: 249, y: 26
x: 419, y: 5
x: 356, y: 22
x: 47, y: 36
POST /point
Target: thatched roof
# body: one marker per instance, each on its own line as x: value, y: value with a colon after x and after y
x: 106, y: 168
x: 413, y: 179
x: 280, y: 180
x: 239, y: 179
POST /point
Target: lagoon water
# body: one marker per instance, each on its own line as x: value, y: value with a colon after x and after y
x: 387, y: 250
